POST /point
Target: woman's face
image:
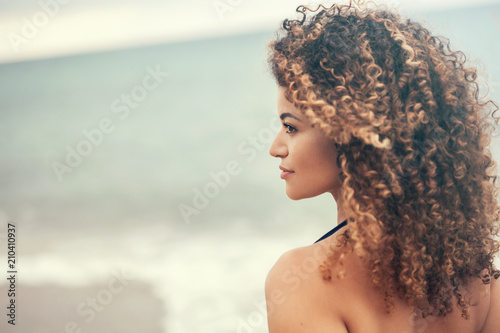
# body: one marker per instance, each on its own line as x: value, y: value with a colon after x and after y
x: 307, y: 152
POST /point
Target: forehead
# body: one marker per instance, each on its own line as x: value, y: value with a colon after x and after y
x: 284, y: 105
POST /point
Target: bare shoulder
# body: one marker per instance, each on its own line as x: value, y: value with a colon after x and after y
x: 296, y: 294
x: 492, y: 322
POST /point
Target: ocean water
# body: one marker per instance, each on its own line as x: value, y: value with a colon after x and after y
x: 141, y: 186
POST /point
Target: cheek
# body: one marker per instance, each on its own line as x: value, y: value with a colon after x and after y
x: 324, y: 153
x: 319, y: 159
x: 315, y: 163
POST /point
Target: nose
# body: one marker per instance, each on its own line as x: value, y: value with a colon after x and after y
x: 278, y: 147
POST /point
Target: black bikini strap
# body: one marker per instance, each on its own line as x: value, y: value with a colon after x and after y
x: 331, y: 232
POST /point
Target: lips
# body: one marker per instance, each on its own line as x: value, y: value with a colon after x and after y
x: 286, y: 173
x: 285, y: 169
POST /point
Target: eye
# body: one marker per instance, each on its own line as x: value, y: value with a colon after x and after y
x: 290, y: 128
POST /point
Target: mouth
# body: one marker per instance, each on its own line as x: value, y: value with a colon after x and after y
x: 286, y: 173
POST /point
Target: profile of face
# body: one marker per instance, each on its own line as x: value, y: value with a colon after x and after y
x: 306, y: 152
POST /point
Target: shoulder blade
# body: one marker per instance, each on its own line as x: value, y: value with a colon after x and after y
x: 492, y: 323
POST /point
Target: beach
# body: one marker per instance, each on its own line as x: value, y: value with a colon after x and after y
x: 141, y: 187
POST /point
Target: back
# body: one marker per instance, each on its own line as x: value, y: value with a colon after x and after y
x: 492, y: 324
x: 313, y: 305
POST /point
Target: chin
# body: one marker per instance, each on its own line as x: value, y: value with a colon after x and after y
x: 294, y: 197
x: 298, y: 196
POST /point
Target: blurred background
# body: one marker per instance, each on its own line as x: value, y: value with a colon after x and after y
x: 135, y: 165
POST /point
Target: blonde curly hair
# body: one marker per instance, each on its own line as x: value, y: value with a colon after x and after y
x: 412, y: 139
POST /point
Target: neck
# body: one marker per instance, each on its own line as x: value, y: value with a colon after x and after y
x: 341, y: 215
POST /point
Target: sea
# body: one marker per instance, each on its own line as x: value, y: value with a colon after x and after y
x: 137, y: 191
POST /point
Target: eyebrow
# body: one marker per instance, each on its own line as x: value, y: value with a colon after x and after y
x: 286, y: 114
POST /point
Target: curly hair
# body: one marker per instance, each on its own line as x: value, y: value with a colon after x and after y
x: 412, y: 138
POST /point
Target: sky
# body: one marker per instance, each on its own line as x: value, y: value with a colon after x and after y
x: 49, y: 28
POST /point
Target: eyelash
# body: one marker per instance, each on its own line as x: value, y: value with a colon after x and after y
x: 291, y: 129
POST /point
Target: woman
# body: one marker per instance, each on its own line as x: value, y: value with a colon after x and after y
x: 386, y: 118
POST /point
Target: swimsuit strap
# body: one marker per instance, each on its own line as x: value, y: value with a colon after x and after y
x: 331, y: 232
